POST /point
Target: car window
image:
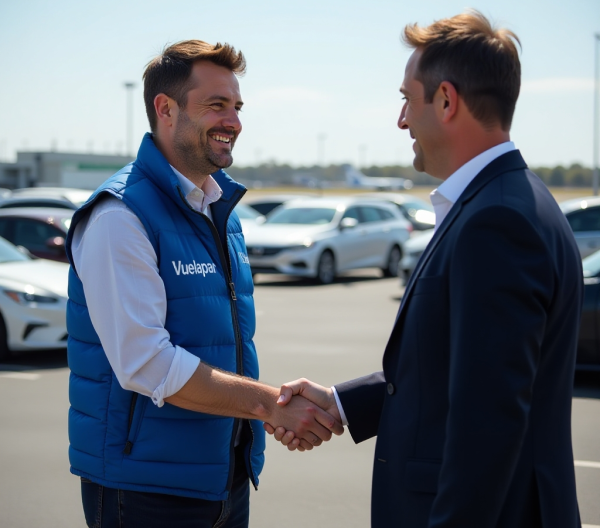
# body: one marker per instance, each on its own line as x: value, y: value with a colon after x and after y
x: 266, y: 207
x: 385, y: 214
x: 246, y: 212
x: 352, y: 212
x: 585, y: 220
x: 9, y: 253
x: 301, y: 215
x: 6, y: 227
x: 371, y: 214
x: 36, y: 203
x: 591, y: 265
x: 33, y: 234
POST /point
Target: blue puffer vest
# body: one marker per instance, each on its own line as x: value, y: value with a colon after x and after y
x: 121, y: 439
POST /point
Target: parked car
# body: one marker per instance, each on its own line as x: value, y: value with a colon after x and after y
x: 583, y: 215
x: 588, y: 345
x: 57, y: 197
x: 248, y: 216
x: 33, y: 300
x: 418, y: 212
x: 266, y: 203
x: 321, y: 237
x: 42, y: 231
x: 413, y: 249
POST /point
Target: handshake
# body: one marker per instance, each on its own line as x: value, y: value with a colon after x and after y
x: 313, y: 425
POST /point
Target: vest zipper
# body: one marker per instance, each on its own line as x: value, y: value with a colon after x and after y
x: 226, y: 264
x: 129, y: 443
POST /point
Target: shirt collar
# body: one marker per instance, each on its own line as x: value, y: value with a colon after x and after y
x: 208, y: 194
x: 454, y: 186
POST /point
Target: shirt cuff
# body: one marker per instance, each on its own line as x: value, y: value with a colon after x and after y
x: 339, y: 406
x: 184, y: 364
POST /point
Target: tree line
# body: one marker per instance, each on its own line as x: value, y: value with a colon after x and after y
x: 283, y: 174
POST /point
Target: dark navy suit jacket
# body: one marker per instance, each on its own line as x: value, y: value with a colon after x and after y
x: 472, y: 411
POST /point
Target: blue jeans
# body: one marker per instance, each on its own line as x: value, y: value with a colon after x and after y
x: 114, y: 508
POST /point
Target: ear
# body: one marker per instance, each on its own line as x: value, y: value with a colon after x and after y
x: 166, y: 110
x: 446, y: 101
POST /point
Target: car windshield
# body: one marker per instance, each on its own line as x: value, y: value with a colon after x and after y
x: 246, y: 212
x: 591, y: 265
x: 9, y: 253
x: 301, y: 215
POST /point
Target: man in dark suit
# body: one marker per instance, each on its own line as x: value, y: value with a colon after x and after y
x: 472, y: 410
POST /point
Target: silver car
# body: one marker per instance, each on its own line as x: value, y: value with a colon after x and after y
x: 413, y: 249
x: 33, y: 300
x: 321, y: 237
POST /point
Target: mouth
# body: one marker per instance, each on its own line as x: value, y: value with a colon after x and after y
x: 220, y: 138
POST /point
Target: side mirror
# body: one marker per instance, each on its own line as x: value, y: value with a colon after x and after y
x: 348, y: 223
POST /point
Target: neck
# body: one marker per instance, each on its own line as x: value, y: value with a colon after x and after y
x: 166, y: 149
x: 469, y: 144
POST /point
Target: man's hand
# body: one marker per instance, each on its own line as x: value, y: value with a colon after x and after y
x: 321, y: 396
x: 308, y: 421
x: 213, y: 391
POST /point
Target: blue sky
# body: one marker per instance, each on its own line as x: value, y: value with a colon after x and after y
x: 327, y: 68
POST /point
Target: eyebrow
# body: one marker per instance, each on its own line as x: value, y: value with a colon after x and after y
x: 224, y: 99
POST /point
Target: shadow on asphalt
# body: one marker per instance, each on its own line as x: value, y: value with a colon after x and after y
x: 587, y: 385
x: 42, y: 360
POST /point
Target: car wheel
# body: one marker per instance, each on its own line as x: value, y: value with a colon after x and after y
x: 393, y: 261
x: 4, y: 351
x: 326, y: 268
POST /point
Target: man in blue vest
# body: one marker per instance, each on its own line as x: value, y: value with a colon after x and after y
x: 165, y: 424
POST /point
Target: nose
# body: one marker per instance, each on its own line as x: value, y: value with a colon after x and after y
x: 402, y: 119
x: 232, y: 120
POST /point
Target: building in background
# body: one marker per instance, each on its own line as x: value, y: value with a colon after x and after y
x: 60, y: 169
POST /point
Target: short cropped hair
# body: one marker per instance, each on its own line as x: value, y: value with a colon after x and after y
x: 481, y: 62
x: 170, y: 72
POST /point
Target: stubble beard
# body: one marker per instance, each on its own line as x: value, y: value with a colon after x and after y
x: 191, y: 145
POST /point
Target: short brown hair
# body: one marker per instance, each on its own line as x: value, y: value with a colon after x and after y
x: 480, y: 61
x: 169, y: 73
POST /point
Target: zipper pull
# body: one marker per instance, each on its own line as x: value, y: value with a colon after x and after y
x: 232, y: 288
x: 128, y: 446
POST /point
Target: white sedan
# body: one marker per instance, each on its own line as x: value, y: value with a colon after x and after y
x: 321, y: 237
x: 33, y: 300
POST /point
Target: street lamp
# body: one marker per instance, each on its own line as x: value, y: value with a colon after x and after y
x: 129, y: 86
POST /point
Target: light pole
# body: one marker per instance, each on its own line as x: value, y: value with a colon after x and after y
x: 596, y: 175
x: 129, y: 86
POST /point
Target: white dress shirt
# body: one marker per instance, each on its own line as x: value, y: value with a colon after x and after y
x: 126, y: 297
x: 446, y: 195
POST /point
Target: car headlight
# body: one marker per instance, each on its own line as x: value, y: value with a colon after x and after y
x: 25, y: 297
x: 305, y: 245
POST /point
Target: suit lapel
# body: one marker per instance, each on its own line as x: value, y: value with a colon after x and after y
x: 507, y: 162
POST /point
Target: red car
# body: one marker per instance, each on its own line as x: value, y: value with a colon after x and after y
x: 42, y: 231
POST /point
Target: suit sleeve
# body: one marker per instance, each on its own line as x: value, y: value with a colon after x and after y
x: 501, y: 288
x: 362, y: 400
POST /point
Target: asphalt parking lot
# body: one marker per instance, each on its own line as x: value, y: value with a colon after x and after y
x: 326, y: 333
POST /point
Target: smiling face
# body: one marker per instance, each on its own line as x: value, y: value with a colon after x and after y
x: 205, y: 130
x: 420, y: 119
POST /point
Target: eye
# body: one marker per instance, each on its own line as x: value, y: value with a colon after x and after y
x: 217, y: 105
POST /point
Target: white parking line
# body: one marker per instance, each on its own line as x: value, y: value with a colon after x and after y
x: 587, y: 464
x: 28, y: 376
x: 590, y: 526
